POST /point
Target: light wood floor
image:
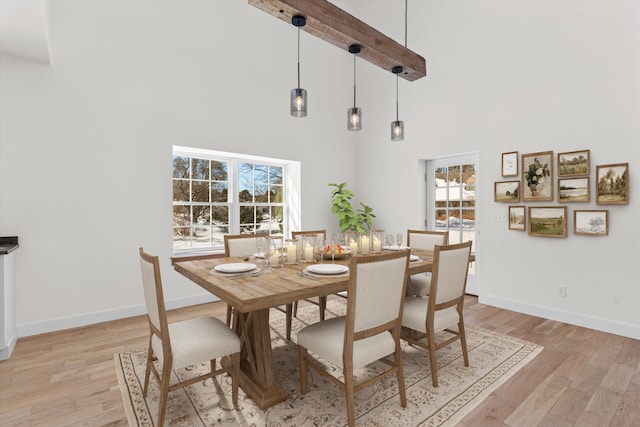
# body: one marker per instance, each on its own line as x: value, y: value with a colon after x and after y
x: 582, y: 377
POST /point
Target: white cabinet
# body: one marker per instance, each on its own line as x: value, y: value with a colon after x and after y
x: 8, y: 329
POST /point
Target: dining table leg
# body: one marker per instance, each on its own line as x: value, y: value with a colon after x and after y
x: 257, y: 372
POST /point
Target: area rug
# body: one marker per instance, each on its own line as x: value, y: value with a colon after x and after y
x: 493, y: 359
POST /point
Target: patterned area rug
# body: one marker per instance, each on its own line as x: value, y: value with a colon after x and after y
x: 493, y: 359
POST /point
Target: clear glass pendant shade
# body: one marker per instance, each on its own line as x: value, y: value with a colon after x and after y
x: 354, y: 118
x: 397, y: 130
x: 298, y: 102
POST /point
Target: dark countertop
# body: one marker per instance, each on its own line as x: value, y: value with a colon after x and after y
x: 8, y: 244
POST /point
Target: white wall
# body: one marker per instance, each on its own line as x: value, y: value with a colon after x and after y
x: 527, y: 77
x: 85, y: 142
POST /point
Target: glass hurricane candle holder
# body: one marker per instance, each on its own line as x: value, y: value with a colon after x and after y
x: 377, y: 238
x: 273, y: 255
x: 352, y: 242
x: 365, y: 244
x: 308, y: 247
x: 291, y: 251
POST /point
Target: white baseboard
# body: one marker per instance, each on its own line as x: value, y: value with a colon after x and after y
x: 35, y: 328
x: 5, y: 352
x: 618, y: 328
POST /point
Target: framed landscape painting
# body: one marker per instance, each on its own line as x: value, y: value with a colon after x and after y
x: 537, y: 176
x: 591, y: 223
x: 517, y: 218
x: 548, y: 221
x: 573, y: 163
x: 506, y: 191
x: 612, y: 184
x: 573, y: 190
x: 510, y: 164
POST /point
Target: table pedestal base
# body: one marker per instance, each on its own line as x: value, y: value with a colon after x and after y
x: 257, y: 375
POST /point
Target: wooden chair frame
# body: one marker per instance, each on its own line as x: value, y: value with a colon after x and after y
x: 163, y: 379
x: 433, y: 307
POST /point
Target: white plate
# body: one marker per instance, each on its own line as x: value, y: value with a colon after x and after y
x: 414, y: 258
x: 327, y: 268
x: 235, y: 267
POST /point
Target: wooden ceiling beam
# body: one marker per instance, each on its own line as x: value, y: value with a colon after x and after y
x: 332, y: 24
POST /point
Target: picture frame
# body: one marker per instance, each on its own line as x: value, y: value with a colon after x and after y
x: 548, y: 221
x: 574, y: 163
x: 517, y: 218
x: 510, y: 163
x: 573, y: 190
x: 612, y: 184
x: 591, y: 222
x: 537, y: 177
x: 506, y: 191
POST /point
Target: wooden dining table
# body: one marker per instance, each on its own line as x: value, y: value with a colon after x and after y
x: 253, y: 296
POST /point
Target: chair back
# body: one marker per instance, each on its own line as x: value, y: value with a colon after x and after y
x: 153, y: 295
x: 449, y: 280
x: 376, y: 291
x: 241, y: 244
x: 320, y: 233
x: 422, y: 239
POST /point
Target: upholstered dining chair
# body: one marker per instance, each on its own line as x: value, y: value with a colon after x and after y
x: 183, y: 343
x: 369, y: 332
x: 421, y: 239
x: 441, y: 310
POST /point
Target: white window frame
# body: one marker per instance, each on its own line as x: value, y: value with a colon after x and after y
x: 291, y: 194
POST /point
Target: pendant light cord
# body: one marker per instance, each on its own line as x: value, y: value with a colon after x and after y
x: 354, y: 81
x: 406, y: 6
x: 298, y: 57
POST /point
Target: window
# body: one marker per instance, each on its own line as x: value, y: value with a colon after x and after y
x: 217, y: 193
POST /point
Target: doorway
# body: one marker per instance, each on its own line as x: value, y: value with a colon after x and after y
x: 452, y: 205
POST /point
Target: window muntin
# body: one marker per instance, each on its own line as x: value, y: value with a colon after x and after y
x: 204, y: 210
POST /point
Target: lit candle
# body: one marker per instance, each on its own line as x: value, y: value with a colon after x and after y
x: 274, y: 261
x: 364, y: 247
x: 291, y: 253
x: 353, y: 246
x: 308, y: 253
x: 376, y: 245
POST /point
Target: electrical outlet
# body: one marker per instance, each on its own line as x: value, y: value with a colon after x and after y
x: 561, y: 291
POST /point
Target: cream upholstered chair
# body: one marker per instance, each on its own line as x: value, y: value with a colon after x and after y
x: 322, y: 301
x: 370, y: 331
x: 421, y: 239
x: 245, y: 245
x: 442, y: 309
x: 183, y: 343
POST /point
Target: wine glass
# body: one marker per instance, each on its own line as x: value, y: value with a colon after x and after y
x: 389, y: 239
x: 260, y: 243
x: 319, y: 249
x: 332, y: 245
x: 399, y: 240
x: 341, y: 240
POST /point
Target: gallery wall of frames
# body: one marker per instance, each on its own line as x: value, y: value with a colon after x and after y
x: 532, y: 178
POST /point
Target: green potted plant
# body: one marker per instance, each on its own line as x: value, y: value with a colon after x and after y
x: 359, y: 220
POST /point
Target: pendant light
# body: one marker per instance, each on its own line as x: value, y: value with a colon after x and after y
x: 397, y: 126
x: 354, y: 115
x: 298, y: 95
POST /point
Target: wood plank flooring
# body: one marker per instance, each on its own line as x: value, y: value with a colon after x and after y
x: 582, y: 378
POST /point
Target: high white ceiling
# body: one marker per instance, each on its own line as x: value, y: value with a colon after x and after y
x: 23, y: 29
